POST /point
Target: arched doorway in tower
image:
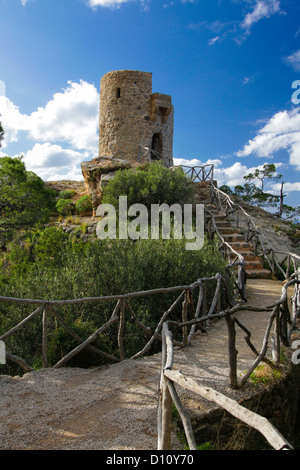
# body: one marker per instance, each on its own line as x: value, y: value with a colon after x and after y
x: 157, y: 146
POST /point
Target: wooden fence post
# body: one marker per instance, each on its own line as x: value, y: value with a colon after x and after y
x: 276, y: 339
x: 45, y: 338
x: 232, y: 352
x: 121, y: 330
x: 184, y: 317
x: 165, y: 404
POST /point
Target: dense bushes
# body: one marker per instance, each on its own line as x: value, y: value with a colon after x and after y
x: 65, y: 205
x: 52, y: 265
x: 66, y: 194
x: 24, y: 199
x: 150, y: 184
x: 84, y: 205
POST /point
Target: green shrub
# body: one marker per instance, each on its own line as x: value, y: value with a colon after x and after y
x: 25, y: 201
x: 50, y: 264
x: 67, y: 194
x: 150, y: 184
x: 84, y: 205
x: 65, y: 207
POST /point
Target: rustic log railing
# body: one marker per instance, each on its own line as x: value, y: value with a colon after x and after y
x: 236, y: 261
x: 281, y: 320
x: 284, y: 323
x: 262, y: 247
x: 284, y: 326
x: 147, y: 154
x: 191, y: 316
x: 199, y: 173
x: 119, y: 315
x: 168, y: 395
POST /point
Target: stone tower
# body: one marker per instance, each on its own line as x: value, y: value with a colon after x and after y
x: 134, y: 123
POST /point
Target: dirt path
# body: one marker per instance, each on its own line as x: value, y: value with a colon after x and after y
x: 114, y: 407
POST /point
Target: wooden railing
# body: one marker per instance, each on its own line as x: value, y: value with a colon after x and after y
x: 276, y: 260
x: 284, y: 326
x: 147, y: 154
x: 280, y: 316
x: 193, y: 315
x: 199, y: 173
x: 236, y: 261
x: 122, y: 311
x: 168, y: 395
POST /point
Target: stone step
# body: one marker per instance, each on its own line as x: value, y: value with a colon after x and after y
x: 228, y: 229
x: 223, y: 224
x: 233, y: 237
x: 258, y: 273
x: 241, y: 245
x: 252, y: 267
x: 250, y: 256
x: 253, y: 264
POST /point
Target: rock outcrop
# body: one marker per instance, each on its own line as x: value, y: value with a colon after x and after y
x: 98, y: 172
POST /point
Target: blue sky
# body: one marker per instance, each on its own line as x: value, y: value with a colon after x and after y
x: 230, y: 66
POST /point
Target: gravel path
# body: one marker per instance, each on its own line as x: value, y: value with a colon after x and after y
x: 114, y: 407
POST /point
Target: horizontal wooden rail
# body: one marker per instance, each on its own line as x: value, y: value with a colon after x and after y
x: 130, y: 295
x: 199, y: 173
x: 262, y: 246
x: 183, y: 293
x: 261, y: 424
x: 168, y: 395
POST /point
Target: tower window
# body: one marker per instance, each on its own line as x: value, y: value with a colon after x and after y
x: 118, y: 94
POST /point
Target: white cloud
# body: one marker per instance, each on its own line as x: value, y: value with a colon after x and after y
x: 256, y: 10
x: 52, y: 162
x: 12, y: 120
x: 262, y: 9
x: 231, y: 175
x: 294, y: 60
x: 71, y: 116
x: 70, y: 173
x: 2, y: 88
x: 287, y: 187
x: 295, y: 155
x: 234, y: 174
x: 282, y: 132
x: 106, y: 3
x: 196, y: 162
x: 213, y: 41
x: 52, y: 156
x: 69, y: 119
x: 248, y: 80
x: 99, y: 3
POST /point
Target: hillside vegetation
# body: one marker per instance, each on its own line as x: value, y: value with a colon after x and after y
x: 50, y: 261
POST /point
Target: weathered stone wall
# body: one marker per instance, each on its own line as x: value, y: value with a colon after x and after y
x: 130, y: 115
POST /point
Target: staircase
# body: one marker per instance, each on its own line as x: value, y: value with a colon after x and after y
x: 232, y: 235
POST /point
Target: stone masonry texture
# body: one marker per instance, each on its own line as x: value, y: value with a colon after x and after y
x: 132, y: 118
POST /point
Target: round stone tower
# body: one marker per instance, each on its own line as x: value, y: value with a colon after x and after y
x: 134, y: 123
